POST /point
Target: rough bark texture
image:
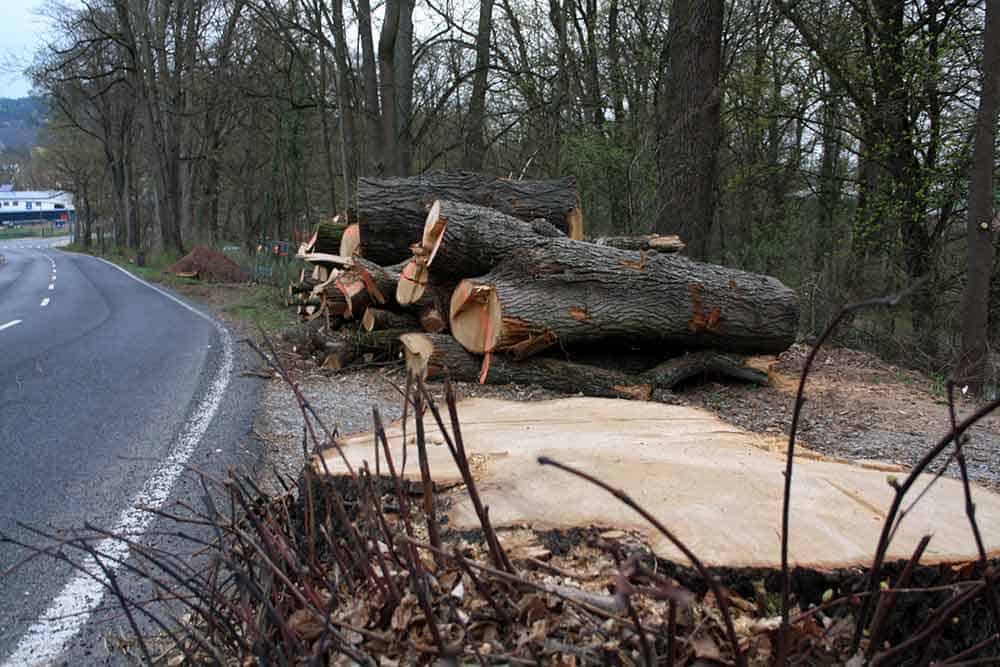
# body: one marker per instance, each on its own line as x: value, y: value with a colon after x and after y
x: 451, y: 360
x: 377, y: 319
x: 689, y: 123
x: 653, y: 242
x: 477, y: 238
x: 975, y: 299
x: 676, y: 371
x: 392, y: 211
x: 579, y: 292
x: 326, y: 237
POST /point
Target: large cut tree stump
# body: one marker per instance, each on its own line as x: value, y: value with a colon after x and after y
x: 392, y: 211
x: 571, y: 292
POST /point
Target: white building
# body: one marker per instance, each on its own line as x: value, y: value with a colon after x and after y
x: 26, y: 206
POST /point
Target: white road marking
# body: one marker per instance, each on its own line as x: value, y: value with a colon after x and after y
x: 12, y: 323
x: 48, y: 636
x: 45, y: 302
x: 51, y: 286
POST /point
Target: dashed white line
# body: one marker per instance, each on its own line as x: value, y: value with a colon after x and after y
x: 51, y: 286
x: 45, y: 302
x: 48, y: 636
x: 12, y: 323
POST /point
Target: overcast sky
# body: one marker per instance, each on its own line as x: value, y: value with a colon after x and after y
x: 22, y: 31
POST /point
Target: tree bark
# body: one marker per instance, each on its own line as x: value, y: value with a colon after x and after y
x: 979, y: 240
x: 689, y: 124
x: 559, y: 291
x: 475, y: 145
x: 463, y: 240
x: 451, y: 360
x: 373, y: 156
x: 392, y: 211
x: 377, y: 319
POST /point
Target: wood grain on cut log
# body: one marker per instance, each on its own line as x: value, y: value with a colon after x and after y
x: 577, y: 292
x: 367, y: 284
x: 432, y: 320
x: 449, y: 359
x: 391, y: 211
x: 350, y: 241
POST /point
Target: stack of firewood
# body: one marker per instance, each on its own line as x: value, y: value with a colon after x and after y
x: 495, y: 277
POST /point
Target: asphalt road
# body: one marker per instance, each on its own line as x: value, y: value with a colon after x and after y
x: 108, y: 387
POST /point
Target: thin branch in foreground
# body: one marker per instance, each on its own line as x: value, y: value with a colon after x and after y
x: 713, y: 583
x: 887, y: 301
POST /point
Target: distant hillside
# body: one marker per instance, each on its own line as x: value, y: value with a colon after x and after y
x: 20, y: 120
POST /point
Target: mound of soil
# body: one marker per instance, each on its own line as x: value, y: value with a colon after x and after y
x: 209, y: 265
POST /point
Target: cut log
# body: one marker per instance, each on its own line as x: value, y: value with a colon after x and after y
x: 367, y: 284
x: 328, y: 261
x: 575, y: 292
x: 326, y: 236
x: 377, y: 319
x: 340, y: 350
x: 417, y: 350
x: 656, y: 242
x: 350, y: 241
x: 392, y: 211
x: 339, y: 355
x: 432, y: 320
x: 465, y: 240
x: 451, y: 360
x: 704, y: 363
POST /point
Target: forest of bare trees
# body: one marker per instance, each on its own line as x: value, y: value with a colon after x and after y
x: 831, y: 143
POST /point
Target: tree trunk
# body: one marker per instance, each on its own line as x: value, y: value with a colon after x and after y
x: 559, y: 291
x: 463, y: 240
x: 979, y: 240
x: 374, y: 154
x: 345, y: 102
x: 475, y: 146
x: 377, y: 319
x: 689, y: 123
x: 387, y: 85
x: 392, y: 211
x: 451, y: 360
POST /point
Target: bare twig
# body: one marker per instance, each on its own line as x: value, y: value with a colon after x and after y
x: 710, y: 579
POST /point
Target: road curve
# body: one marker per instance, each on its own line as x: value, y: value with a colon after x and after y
x: 108, y: 386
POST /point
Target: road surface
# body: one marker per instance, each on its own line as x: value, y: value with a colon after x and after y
x: 108, y: 386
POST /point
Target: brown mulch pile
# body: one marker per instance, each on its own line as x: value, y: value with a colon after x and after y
x: 209, y: 265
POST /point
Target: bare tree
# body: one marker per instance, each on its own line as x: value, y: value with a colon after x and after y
x: 689, y: 122
x: 979, y: 239
x: 475, y: 146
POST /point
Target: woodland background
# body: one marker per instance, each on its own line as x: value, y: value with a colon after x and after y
x: 827, y: 142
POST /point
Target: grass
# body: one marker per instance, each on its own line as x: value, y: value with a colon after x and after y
x: 29, y: 231
x: 261, y: 305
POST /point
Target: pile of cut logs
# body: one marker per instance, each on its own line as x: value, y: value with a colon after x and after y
x: 480, y: 278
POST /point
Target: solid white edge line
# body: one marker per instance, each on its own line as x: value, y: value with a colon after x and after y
x: 12, y: 323
x: 47, y: 637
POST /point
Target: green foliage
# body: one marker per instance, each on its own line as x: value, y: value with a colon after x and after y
x: 617, y: 182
